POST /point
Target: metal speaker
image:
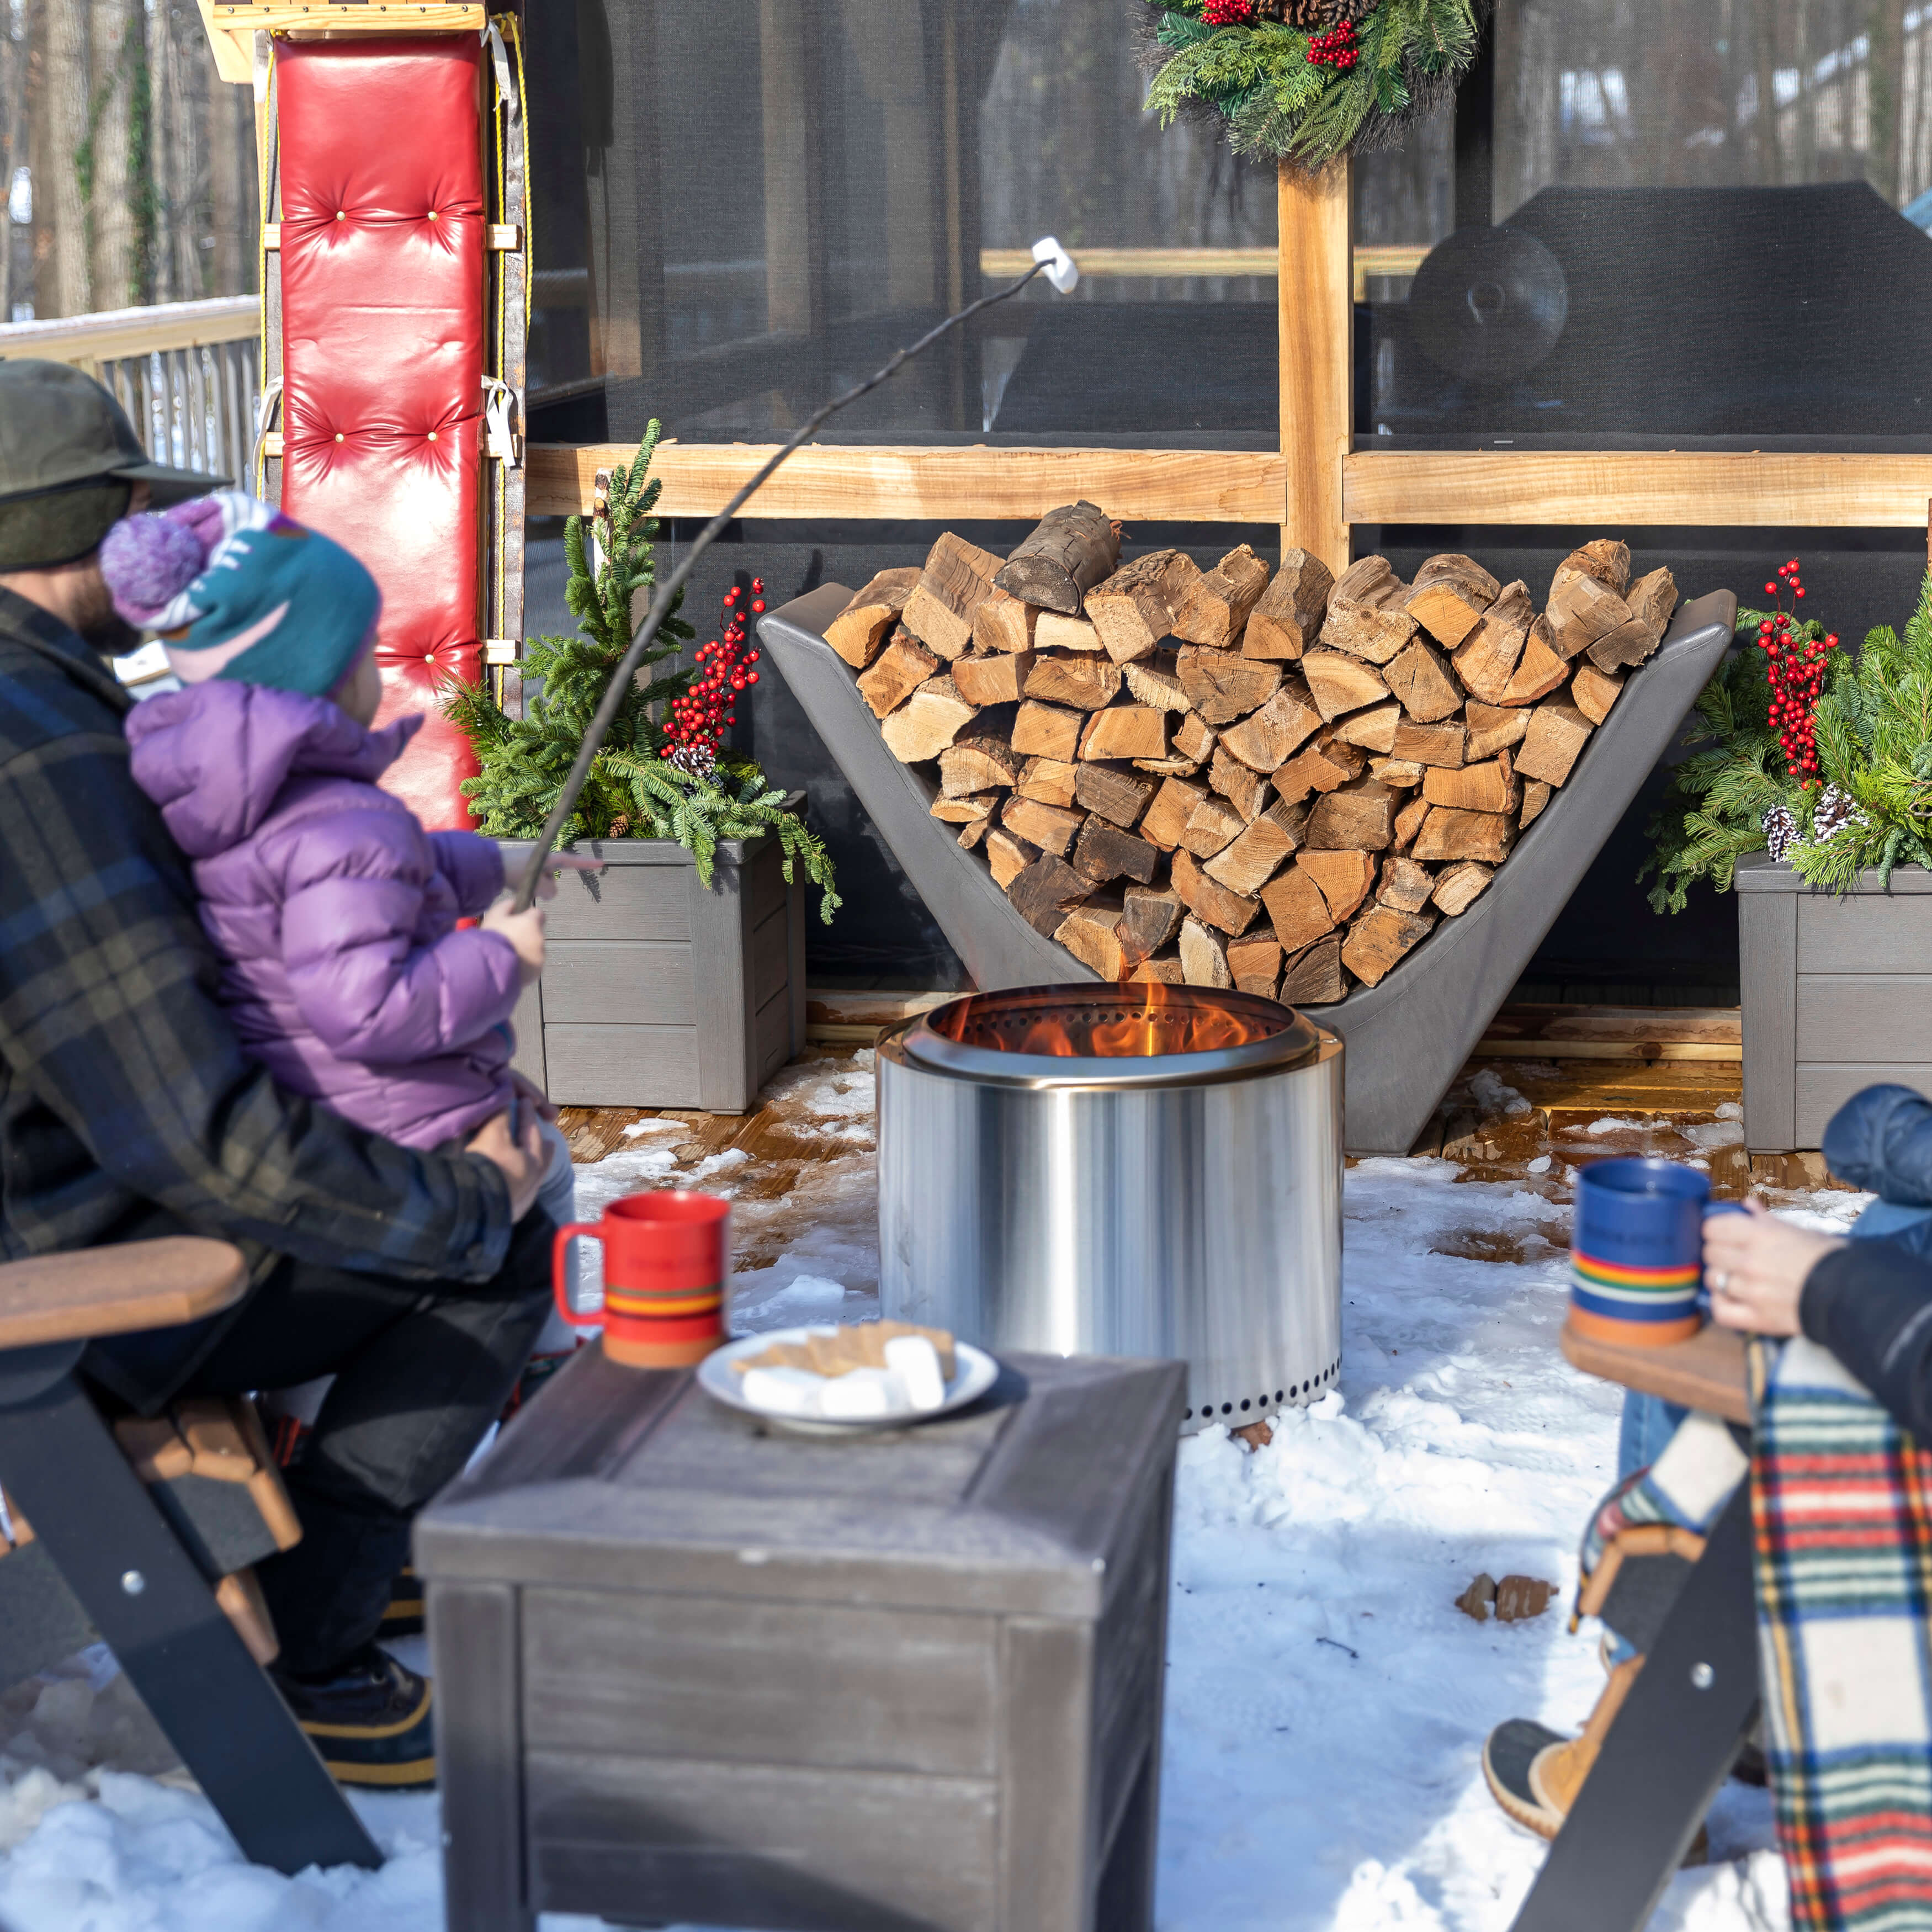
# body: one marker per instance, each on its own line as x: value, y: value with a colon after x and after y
x: 1488, y: 305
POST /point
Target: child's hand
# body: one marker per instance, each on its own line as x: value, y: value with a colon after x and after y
x: 558, y: 863
x: 524, y: 930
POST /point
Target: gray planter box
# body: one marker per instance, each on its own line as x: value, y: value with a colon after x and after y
x: 1837, y: 995
x: 660, y: 992
x: 688, y: 1670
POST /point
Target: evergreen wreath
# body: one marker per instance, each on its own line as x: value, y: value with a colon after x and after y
x: 635, y: 790
x: 1308, y: 81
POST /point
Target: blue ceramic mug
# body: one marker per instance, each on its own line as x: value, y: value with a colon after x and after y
x: 1637, y: 1254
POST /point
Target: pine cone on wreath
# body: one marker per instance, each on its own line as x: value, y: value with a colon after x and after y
x: 1780, y: 831
x: 1314, y: 16
x: 1833, y: 811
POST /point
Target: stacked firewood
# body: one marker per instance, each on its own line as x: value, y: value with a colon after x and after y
x: 1221, y: 778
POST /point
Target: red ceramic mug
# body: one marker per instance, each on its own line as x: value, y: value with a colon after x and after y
x: 667, y: 1268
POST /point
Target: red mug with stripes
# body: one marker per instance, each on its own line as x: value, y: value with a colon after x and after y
x: 666, y: 1274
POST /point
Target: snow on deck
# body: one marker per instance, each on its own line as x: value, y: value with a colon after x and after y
x: 1327, y: 1703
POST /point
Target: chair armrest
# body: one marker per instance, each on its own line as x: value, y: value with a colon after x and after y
x: 1706, y: 1373
x: 113, y: 1290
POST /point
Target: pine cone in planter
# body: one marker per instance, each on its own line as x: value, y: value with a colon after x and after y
x: 1780, y: 831
x: 1835, y: 811
x: 1314, y: 16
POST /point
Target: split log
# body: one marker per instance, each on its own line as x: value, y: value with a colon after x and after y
x: 972, y: 835
x: 1118, y: 796
x: 954, y: 582
x: 1461, y: 886
x: 964, y: 810
x: 1342, y: 878
x: 1539, y: 670
x: 1359, y: 817
x: 1268, y: 737
x: 1297, y: 909
x: 1449, y: 596
x: 1256, y: 963
x: 1053, y: 632
x: 1072, y: 549
x: 928, y: 721
x: 1314, y: 978
x: 1002, y: 623
x: 1535, y: 796
x: 1287, y: 619
x: 1255, y: 857
x: 1150, y: 918
x: 1218, y: 601
x: 1424, y: 683
x: 1446, y: 833
x: 1154, y: 680
x: 1192, y: 739
x: 1086, y: 683
x: 1374, y: 730
x: 1607, y: 559
x: 859, y: 631
x: 1209, y: 900
x: 904, y: 665
x: 1319, y: 767
x: 1340, y: 683
x: 1493, y: 728
x: 1409, y: 822
x: 1125, y: 731
x: 1594, y: 692
x: 1104, y: 852
x: 976, y: 764
x: 1443, y: 744
x: 1212, y: 826
x: 1051, y: 827
x: 1404, y: 885
x: 992, y: 677
x: 1245, y: 791
x: 1164, y: 971
x: 1051, y: 781
x: 1398, y: 774
x: 1491, y: 786
x: 1169, y: 767
x: 1379, y: 938
x: 1366, y: 617
x: 1223, y: 686
x: 1586, y: 600
x: 1165, y: 823
x: 1091, y: 933
x: 1551, y: 746
x: 1651, y: 600
x: 1008, y: 856
x: 1135, y: 608
x: 1203, y: 956
x: 1046, y: 891
x: 1487, y: 659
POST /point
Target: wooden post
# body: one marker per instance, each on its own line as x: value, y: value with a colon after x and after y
x: 1317, y: 359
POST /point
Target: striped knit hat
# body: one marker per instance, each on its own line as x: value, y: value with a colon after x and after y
x: 236, y: 589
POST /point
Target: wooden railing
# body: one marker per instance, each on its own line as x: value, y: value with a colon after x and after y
x: 187, y: 374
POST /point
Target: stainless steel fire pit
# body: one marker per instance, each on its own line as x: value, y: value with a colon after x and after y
x: 1124, y: 1170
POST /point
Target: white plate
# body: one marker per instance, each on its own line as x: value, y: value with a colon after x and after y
x: 974, y: 1371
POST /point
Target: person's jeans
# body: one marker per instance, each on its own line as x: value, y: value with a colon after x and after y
x: 421, y: 1370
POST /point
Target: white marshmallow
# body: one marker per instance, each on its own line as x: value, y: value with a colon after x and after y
x: 863, y: 1395
x: 783, y: 1391
x: 916, y: 1362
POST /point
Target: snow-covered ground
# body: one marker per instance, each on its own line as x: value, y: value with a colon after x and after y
x: 1327, y: 1703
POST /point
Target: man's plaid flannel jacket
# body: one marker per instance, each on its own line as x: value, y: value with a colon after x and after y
x: 127, y: 1109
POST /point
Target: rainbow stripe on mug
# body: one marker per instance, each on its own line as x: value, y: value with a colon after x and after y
x: 1636, y: 1253
x: 1607, y: 1301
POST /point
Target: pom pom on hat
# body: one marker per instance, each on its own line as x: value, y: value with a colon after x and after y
x: 148, y: 561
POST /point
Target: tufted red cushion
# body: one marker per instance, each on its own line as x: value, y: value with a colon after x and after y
x: 382, y: 326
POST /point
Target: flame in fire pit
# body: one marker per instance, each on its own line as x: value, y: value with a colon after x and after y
x: 1124, y: 1022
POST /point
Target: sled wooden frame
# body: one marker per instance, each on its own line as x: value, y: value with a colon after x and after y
x: 131, y: 1573
x: 1407, y: 1038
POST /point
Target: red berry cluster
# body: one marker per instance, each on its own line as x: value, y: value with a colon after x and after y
x: 1336, y: 48
x: 1796, y: 670
x: 1228, y: 13
x: 700, y: 717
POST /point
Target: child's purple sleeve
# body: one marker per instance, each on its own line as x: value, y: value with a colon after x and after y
x: 473, y: 865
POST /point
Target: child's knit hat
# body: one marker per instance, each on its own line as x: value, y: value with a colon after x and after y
x: 237, y: 590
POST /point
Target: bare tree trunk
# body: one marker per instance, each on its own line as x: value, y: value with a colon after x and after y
x: 181, y: 264
x: 231, y: 186
x: 45, y: 237
x: 67, y: 35
x: 118, y: 49
x: 13, y: 71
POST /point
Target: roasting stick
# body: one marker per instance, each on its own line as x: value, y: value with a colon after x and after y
x: 1049, y: 260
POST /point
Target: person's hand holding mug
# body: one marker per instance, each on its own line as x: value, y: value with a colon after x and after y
x: 519, y: 1152
x: 1755, y: 1267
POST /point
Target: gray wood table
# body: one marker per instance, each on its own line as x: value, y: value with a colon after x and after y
x: 691, y: 1669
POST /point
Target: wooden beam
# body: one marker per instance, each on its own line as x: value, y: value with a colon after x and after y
x: 1636, y: 487
x: 1317, y: 327
x: 938, y: 484
x: 106, y: 337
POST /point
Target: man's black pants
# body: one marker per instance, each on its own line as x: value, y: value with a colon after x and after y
x: 421, y: 1370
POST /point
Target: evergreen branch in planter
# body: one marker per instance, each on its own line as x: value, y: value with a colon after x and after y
x: 632, y: 790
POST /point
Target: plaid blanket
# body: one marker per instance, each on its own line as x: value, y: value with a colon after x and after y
x: 1841, y: 1503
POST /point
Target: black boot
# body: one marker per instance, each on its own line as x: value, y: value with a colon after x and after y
x: 370, y: 1719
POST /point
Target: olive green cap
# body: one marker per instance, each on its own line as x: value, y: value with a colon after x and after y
x: 68, y: 458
